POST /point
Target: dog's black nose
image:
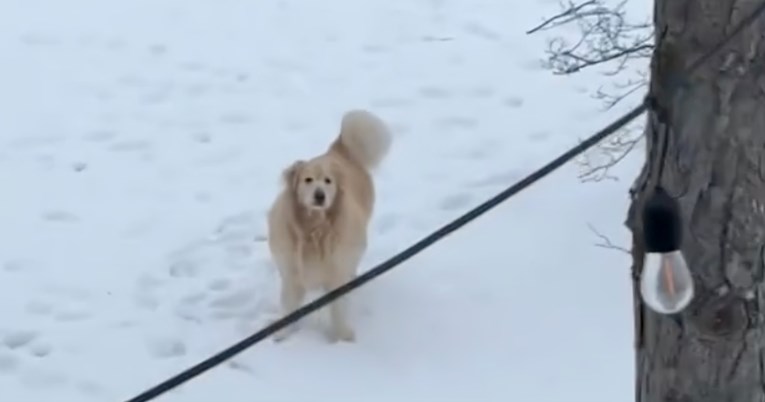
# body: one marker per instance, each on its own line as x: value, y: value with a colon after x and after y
x: 319, y: 197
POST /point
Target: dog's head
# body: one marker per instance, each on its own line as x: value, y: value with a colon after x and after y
x: 314, y: 183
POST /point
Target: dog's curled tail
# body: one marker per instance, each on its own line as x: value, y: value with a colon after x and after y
x: 365, y: 138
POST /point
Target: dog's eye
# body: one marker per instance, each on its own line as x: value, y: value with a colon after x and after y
x: 328, y: 180
x: 308, y: 179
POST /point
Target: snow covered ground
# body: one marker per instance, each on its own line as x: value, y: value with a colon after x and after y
x: 140, y: 146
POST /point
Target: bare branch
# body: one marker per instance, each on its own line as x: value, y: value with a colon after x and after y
x: 622, y: 90
x: 568, y: 61
x: 614, y: 152
x: 606, y: 39
x: 568, y: 15
x: 606, y: 242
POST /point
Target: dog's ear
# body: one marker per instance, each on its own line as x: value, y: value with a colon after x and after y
x: 292, y: 173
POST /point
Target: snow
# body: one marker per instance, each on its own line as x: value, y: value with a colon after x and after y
x: 141, y: 143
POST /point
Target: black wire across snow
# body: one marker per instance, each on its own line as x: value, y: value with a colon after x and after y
x: 429, y: 240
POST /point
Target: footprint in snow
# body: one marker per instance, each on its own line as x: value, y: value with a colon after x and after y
x: 156, y: 97
x: 456, y: 122
x: 386, y: 223
x: 194, y: 299
x: 164, y: 348
x: 219, y: 284
x: 36, y: 142
x: 18, y: 338
x: 375, y: 49
x: 434, y: 92
x: 513, y: 102
x: 158, y: 49
x: 38, y: 39
x: 203, y: 197
x: 60, y: 216
x: 456, y: 202
x: 539, y: 136
x: 27, y: 340
x: 130, y: 146
x: 116, y: 44
x: 40, y: 349
x: 149, y: 282
x: 233, y: 300
x: 235, y: 118
x: 192, y: 66
x: 482, y: 31
x: 184, y: 268
x: 201, y: 137
x: 72, y: 314
x: 498, y: 179
x: 18, y: 265
x: 79, y: 166
x: 482, y: 151
x: 482, y: 92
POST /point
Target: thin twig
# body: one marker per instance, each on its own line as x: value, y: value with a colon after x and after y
x: 606, y: 241
x: 571, y: 11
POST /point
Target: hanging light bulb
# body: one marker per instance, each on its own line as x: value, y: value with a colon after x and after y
x: 666, y: 283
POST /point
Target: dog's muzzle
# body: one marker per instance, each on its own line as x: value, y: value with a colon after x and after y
x: 319, y: 197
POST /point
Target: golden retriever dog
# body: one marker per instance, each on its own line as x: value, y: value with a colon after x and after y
x: 318, y: 223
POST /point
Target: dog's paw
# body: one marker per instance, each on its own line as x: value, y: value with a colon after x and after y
x: 284, y: 333
x: 341, y: 335
x: 280, y: 337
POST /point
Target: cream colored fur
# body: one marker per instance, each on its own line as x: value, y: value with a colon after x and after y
x: 318, y: 223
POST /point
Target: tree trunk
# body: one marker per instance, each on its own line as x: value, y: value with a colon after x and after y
x: 715, y: 167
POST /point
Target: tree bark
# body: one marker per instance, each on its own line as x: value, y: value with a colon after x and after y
x: 715, y: 167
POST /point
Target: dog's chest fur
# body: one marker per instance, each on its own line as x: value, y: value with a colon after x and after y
x: 316, y: 242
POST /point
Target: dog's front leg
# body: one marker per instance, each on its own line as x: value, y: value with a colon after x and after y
x: 292, y: 295
x: 338, y: 314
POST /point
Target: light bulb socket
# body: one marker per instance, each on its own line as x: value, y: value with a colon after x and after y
x: 662, y: 223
